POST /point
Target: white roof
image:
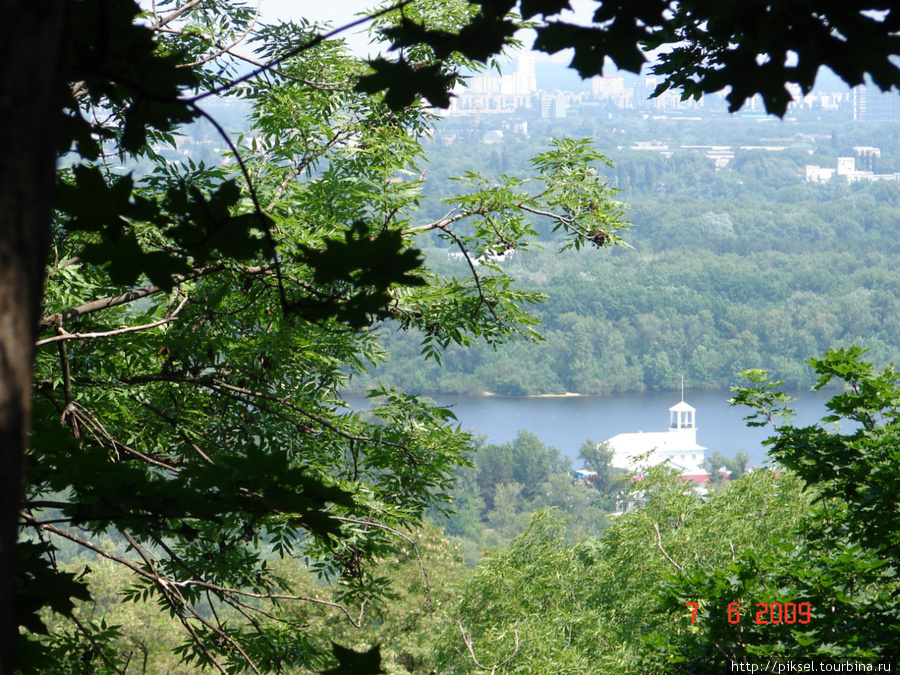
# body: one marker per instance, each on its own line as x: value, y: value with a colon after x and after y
x: 679, y: 407
x: 662, y: 444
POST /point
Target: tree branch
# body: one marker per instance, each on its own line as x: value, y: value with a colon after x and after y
x: 317, y: 40
x: 212, y: 383
x: 110, y: 333
x: 274, y: 596
x: 175, y: 14
x: 169, y: 589
x: 324, y: 86
x: 395, y: 532
x: 65, y: 534
x: 483, y: 300
x: 341, y: 135
x: 449, y: 219
x: 97, y: 647
x: 468, y: 640
x: 67, y: 390
x: 59, y: 318
x: 226, y: 50
x: 659, y: 543
x: 98, y: 430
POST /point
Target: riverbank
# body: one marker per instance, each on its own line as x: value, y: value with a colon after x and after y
x: 568, y: 394
x: 566, y: 422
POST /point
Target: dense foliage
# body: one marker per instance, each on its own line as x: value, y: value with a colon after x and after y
x: 593, y: 606
x: 494, y: 498
x: 423, y: 574
x: 842, y: 560
x: 200, y: 320
x: 679, y: 583
x: 744, y: 267
x: 793, y: 564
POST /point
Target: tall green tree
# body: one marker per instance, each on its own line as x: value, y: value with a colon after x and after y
x: 84, y: 76
x: 199, y: 321
x: 530, y: 462
x: 598, y: 457
x: 594, y: 606
x: 839, y: 569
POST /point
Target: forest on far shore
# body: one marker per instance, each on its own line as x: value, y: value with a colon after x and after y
x: 742, y: 267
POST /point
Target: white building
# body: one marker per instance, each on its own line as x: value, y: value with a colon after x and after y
x: 676, y: 447
x: 846, y: 166
x: 613, y: 89
x: 491, y: 92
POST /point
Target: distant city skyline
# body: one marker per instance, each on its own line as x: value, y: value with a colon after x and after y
x: 339, y: 13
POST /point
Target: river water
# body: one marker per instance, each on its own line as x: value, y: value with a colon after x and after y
x: 566, y: 422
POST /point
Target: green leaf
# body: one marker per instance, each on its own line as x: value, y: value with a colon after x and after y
x: 530, y: 8
x: 355, y: 663
x: 404, y: 83
x: 126, y: 261
x: 207, y: 226
x: 362, y: 267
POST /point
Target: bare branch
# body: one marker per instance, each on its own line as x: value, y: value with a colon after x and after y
x: 175, y: 14
x: 141, y: 552
x: 196, y: 638
x: 569, y: 223
x: 317, y: 40
x: 659, y: 543
x: 175, y: 597
x: 237, y: 604
x: 98, y: 430
x: 449, y: 219
x: 115, y: 300
x: 65, y: 534
x: 109, y: 333
x: 465, y: 252
x: 468, y: 640
x: 274, y: 596
x: 175, y: 427
x: 397, y: 533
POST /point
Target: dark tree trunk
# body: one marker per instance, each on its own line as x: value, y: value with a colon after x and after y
x: 31, y: 78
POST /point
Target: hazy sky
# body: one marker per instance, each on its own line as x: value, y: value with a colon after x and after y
x: 342, y: 12
x: 335, y: 11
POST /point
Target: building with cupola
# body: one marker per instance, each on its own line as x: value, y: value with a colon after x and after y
x: 676, y: 447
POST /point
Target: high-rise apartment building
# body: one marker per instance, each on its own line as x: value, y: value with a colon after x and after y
x: 870, y: 104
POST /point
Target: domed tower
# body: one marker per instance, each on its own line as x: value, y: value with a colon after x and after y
x: 682, y: 421
x: 676, y: 447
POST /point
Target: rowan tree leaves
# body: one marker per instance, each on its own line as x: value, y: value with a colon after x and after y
x: 227, y: 304
x: 202, y: 320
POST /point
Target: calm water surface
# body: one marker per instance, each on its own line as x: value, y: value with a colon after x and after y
x: 566, y: 423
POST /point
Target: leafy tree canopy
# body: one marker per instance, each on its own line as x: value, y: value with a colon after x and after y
x: 797, y: 562
x: 198, y: 319
x: 698, y: 46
